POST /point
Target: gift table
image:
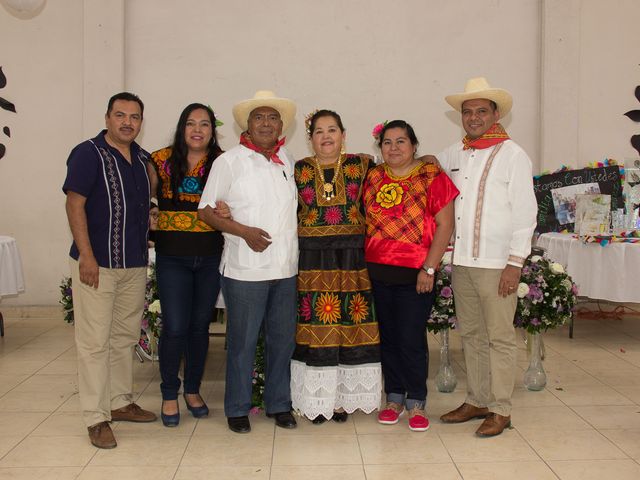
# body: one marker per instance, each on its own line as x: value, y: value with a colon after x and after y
x: 11, y: 277
x: 606, y: 273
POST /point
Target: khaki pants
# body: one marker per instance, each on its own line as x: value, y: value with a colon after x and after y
x: 107, y: 329
x: 485, y: 320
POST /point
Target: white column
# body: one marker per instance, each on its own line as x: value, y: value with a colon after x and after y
x: 560, y: 80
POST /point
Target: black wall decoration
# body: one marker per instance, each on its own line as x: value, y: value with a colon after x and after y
x: 5, y: 105
x: 635, y: 116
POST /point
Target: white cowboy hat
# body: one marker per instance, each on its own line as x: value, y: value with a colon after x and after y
x: 479, y: 88
x: 265, y: 98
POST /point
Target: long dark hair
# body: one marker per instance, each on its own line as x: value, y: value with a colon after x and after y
x: 178, y: 160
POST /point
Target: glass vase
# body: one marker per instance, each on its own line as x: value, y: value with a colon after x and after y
x: 535, y: 377
x: 446, y: 380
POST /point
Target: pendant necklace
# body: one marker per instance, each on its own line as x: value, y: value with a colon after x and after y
x: 328, y: 188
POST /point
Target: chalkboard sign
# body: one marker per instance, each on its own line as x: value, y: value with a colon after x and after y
x: 555, y: 194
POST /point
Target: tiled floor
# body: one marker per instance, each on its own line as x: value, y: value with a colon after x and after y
x: 584, y: 425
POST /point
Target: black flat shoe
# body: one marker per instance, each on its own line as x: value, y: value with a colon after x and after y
x: 197, y: 412
x: 319, y: 420
x: 340, y: 417
x: 170, y: 420
x: 239, y: 424
x: 283, y: 419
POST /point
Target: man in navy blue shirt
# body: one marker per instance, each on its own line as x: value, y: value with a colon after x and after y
x: 108, y: 210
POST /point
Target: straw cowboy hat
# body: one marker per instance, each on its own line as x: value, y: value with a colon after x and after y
x: 479, y: 88
x: 265, y: 98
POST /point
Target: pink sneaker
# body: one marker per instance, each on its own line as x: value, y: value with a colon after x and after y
x: 418, y: 421
x: 391, y: 413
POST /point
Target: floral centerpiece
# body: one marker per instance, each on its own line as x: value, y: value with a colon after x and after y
x: 152, y: 314
x: 443, y: 312
x: 66, y: 299
x: 257, y: 387
x: 546, y: 296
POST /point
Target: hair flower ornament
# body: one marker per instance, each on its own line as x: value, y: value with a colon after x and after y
x: 377, y: 130
x: 307, y: 121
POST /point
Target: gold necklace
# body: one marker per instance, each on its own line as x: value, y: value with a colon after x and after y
x: 328, y: 187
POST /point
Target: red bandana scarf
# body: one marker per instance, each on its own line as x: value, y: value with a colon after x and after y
x: 270, y: 153
x: 496, y: 134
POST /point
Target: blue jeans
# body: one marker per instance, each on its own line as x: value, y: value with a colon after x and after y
x: 270, y: 305
x: 188, y: 287
x: 402, y: 318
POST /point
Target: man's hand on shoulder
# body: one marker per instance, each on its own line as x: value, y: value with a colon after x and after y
x: 89, y: 271
x: 430, y: 159
x: 257, y: 239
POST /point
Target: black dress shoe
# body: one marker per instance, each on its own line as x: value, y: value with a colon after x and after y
x: 239, y: 424
x: 340, y: 417
x: 283, y: 419
x: 319, y: 419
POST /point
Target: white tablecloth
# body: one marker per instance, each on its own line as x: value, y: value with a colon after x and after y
x: 11, y: 277
x: 606, y: 273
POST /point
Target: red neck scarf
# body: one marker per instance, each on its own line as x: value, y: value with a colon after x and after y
x: 270, y: 153
x: 496, y: 134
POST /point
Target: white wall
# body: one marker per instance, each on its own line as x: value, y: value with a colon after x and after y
x: 571, y: 65
x: 370, y: 60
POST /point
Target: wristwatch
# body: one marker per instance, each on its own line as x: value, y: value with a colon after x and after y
x: 430, y: 270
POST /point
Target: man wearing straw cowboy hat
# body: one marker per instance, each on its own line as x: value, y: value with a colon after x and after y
x: 260, y: 258
x: 495, y: 217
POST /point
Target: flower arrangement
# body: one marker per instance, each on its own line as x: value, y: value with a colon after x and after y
x: 66, y: 299
x: 443, y: 312
x: 546, y: 296
x: 377, y: 130
x: 257, y: 387
x: 152, y: 314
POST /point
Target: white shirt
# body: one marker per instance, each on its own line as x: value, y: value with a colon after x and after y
x: 494, y: 224
x: 260, y: 194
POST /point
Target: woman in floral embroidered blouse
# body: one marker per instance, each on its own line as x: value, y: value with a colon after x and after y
x: 187, y: 258
x: 336, y: 364
x: 409, y: 220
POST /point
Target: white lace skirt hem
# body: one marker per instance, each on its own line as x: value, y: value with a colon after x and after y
x: 321, y: 390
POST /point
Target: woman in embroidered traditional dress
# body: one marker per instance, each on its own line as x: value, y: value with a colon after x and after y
x: 187, y: 258
x: 409, y: 217
x: 336, y: 364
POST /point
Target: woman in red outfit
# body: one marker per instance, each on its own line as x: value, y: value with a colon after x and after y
x: 409, y: 221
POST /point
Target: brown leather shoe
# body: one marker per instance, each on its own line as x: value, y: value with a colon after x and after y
x: 493, y: 425
x: 101, y: 435
x: 464, y: 413
x: 132, y: 413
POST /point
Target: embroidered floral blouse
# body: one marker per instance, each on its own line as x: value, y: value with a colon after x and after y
x: 179, y: 230
x: 400, y: 213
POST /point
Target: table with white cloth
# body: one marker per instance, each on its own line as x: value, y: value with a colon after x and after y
x: 604, y: 273
x: 11, y: 277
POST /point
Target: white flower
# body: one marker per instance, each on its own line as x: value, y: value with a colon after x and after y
x: 557, y: 268
x: 523, y: 289
x: 536, y: 259
x: 566, y: 283
x: 446, y: 258
x: 154, y: 307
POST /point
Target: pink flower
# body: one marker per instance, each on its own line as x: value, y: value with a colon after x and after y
x: 255, y: 411
x: 377, y: 130
x: 332, y: 216
x: 352, y: 191
x: 305, y: 307
x: 446, y: 292
x: 307, y: 194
